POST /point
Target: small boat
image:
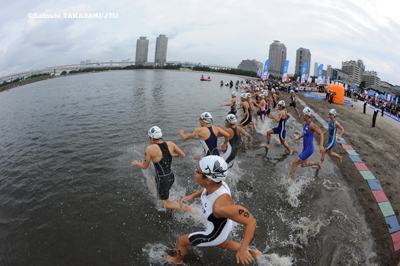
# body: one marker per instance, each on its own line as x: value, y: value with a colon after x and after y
x: 204, y: 79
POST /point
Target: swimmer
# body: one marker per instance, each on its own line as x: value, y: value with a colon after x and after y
x: 262, y: 106
x: 234, y: 135
x: 232, y: 104
x: 333, y: 126
x: 219, y: 211
x: 161, y: 154
x: 294, y: 99
x: 308, y: 147
x: 208, y: 136
x: 246, y: 118
x: 281, y: 128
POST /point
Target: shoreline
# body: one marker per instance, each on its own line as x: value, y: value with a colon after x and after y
x: 379, y: 149
x: 17, y: 85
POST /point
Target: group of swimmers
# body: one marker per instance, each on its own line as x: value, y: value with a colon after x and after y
x: 210, y: 173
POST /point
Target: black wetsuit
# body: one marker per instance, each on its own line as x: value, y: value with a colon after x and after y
x: 164, y: 175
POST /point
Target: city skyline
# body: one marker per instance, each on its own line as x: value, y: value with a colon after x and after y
x: 340, y: 31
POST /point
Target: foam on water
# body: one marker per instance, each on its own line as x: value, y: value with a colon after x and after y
x: 295, y: 187
x: 275, y: 260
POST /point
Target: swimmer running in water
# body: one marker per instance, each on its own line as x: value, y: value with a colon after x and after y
x: 234, y: 135
x: 219, y: 211
x: 161, y: 154
x: 308, y: 146
x: 208, y: 136
x: 232, y: 104
x: 246, y: 118
x: 281, y: 128
x: 333, y: 126
x: 294, y: 99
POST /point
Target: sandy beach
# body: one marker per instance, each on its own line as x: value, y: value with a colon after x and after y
x: 379, y: 149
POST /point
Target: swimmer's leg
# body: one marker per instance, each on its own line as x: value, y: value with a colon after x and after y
x: 235, y: 246
x: 283, y: 142
x: 323, y: 155
x: 334, y: 154
x: 269, y: 132
x: 181, y: 250
x: 175, y: 206
x: 296, y: 163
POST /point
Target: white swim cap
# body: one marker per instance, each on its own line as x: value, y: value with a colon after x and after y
x: 234, y: 93
x: 155, y: 133
x: 214, y: 167
x: 262, y: 95
x: 231, y: 119
x: 206, y: 117
x: 248, y: 95
x: 291, y: 91
x: 281, y: 103
x: 307, y: 111
x: 243, y: 95
x: 333, y: 112
x: 273, y: 90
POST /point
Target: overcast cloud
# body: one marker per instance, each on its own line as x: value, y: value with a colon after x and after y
x: 210, y: 32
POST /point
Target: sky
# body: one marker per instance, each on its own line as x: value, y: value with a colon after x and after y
x: 208, y: 32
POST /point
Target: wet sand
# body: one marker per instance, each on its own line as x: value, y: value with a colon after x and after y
x: 379, y: 149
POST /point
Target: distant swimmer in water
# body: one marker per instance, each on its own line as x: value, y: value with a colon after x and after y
x: 161, y: 154
x: 234, y: 135
x: 232, y: 104
x: 308, y: 145
x: 219, y: 211
x: 281, y: 128
x: 208, y: 136
x: 294, y: 99
x: 333, y: 126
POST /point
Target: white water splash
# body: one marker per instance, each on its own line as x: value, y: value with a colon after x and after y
x: 296, y: 187
x: 308, y: 228
x: 155, y: 253
x: 275, y: 260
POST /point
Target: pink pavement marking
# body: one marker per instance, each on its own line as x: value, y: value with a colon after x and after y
x: 347, y: 147
x: 361, y: 167
x: 396, y: 240
x: 379, y: 195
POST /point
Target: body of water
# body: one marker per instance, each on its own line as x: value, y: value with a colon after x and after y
x: 70, y: 197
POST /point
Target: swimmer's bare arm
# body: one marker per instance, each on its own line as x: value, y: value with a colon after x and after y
x: 337, y: 125
x: 277, y: 119
x: 146, y: 159
x: 288, y: 116
x: 191, y: 197
x: 220, y: 133
x: 228, y: 104
x: 225, y: 208
x: 177, y: 152
x: 190, y: 135
x: 246, y: 111
x: 243, y: 132
x: 315, y: 128
x: 299, y: 137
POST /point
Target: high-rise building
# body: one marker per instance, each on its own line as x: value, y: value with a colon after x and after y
x: 161, y: 50
x: 361, y: 65
x: 371, y: 78
x: 277, y: 58
x: 142, y: 50
x: 351, y: 68
x: 250, y: 65
x: 329, y: 71
x: 315, y: 69
x: 302, y: 55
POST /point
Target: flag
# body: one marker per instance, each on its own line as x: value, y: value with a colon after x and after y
x: 303, y: 72
x: 265, y: 72
x: 285, y: 69
x: 298, y: 78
